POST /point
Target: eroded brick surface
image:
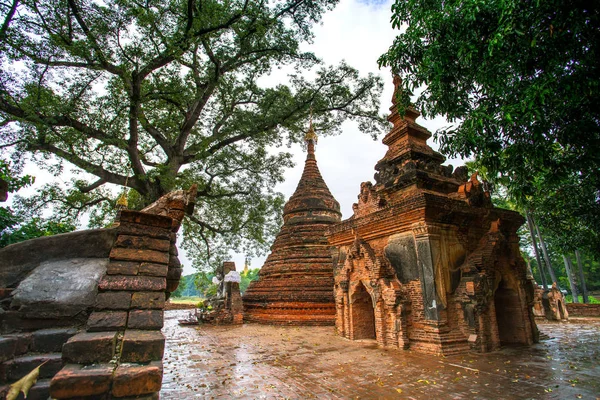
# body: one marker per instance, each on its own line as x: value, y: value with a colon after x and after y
x: 148, y: 300
x: 106, y: 321
x: 88, y: 347
x: 75, y: 380
x: 145, y: 319
x: 142, y: 346
x: 136, y: 380
x: 154, y: 256
x: 142, y: 242
x: 113, y: 300
x: 133, y: 283
x: 153, y: 269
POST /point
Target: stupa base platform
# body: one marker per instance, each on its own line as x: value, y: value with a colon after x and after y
x: 305, y: 314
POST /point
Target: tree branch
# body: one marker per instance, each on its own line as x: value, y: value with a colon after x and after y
x: 93, y: 169
x: 89, y: 188
x: 103, y: 61
x: 8, y: 19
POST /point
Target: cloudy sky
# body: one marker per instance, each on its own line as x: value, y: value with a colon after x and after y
x: 358, y: 32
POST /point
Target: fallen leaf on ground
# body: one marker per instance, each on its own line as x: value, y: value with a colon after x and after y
x: 24, y: 384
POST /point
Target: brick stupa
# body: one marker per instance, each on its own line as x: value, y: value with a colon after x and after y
x: 295, y: 285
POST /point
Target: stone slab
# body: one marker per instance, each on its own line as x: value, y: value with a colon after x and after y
x: 58, y: 289
x: 19, y: 259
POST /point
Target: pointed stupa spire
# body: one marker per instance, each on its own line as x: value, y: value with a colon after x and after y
x: 295, y: 285
x: 311, y: 137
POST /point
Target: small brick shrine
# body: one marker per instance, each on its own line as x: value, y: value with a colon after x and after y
x: 426, y: 262
x: 295, y: 284
x: 549, y: 304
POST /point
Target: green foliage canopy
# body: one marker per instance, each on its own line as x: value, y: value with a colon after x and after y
x: 157, y: 95
x: 15, y: 227
x: 520, y: 83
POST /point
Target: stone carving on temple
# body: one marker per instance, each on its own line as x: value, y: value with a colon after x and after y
x: 426, y: 262
x: 295, y: 285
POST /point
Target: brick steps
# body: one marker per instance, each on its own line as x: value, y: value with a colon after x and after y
x: 126, y: 380
x: 39, y: 391
x: 22, y: 353
x: 40, y: 341
x: 18, y: 367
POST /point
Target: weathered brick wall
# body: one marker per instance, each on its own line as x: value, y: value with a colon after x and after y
x: 583, y: 310
x: 120, y: 353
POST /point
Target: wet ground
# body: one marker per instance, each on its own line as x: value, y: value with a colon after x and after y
x: 265, y: 362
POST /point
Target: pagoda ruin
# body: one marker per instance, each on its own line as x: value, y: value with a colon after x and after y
x: 426, y: 262
x: 295, y: 285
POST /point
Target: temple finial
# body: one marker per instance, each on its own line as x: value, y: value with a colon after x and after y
x: 397, y: 88
x: 311, y: 136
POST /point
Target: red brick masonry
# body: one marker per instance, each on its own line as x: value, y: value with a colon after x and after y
x: 583, y: 310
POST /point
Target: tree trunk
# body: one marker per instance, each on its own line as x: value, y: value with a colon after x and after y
x: 529, y: 270
x: 581, y: 277
x: 535, y: 250
x: 571, y: 279
x: 545, y: 252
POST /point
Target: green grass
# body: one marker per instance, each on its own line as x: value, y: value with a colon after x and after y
x: 186, y: 300
x: 592, y: 299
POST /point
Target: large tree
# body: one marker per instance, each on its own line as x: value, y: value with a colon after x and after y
x: 519, y: 81
x: 156, y: 95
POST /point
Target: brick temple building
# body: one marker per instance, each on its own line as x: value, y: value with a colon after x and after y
x: 427, y: 262
x: 295, y: 285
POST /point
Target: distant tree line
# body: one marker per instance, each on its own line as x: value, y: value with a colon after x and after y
x: 200, y: 284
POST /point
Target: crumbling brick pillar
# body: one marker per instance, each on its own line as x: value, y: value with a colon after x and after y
x: 120, y: 354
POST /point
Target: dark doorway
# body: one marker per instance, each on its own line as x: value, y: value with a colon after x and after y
x: 509, y: 315
x: 363, y: 314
